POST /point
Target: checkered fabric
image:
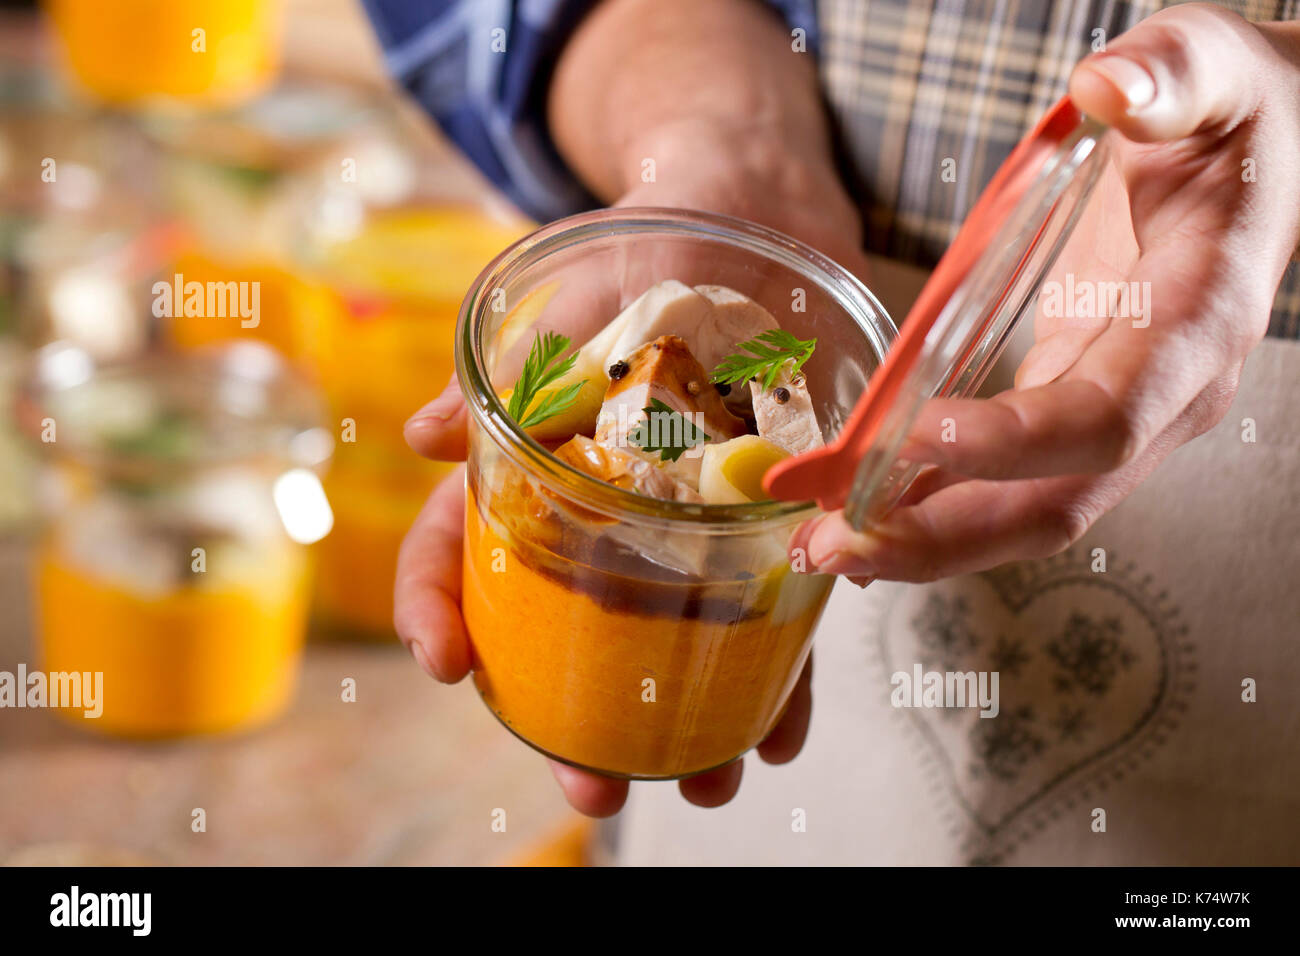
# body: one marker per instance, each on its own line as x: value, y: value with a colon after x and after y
x: 911, y: 84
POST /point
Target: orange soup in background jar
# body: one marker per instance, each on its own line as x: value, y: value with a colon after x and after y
x: 629, y: 635
x: 208, y: 52
x: 382, y: 332
x: 178, y: 492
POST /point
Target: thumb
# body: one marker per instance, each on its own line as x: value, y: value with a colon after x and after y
x: 1179, y: 71
x: 437, y: 430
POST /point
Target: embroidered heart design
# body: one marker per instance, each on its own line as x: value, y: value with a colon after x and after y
x: 1093, y: 669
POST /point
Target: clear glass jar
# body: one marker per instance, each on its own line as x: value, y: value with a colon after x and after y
x: 389, y: 256
x: 82, y: 232
x: 632, y: 636
x: 240, y: 182
x: 79, y: 239
x: 178, y: 493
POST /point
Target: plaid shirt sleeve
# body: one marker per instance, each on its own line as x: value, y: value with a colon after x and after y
x: 482, y: 67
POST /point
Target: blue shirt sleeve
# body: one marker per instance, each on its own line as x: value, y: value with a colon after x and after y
x: 481, y: 68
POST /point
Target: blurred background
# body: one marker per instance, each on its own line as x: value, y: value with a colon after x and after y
x: 231, y: 259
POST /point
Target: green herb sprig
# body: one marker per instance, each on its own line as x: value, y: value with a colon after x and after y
x: 673, y: 435
x: 767, y: 353
x: 542, y: 367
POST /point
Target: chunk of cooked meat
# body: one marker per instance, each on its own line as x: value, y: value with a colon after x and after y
x: 668, y: 307
x: 784, y: 413
x: 624, y: 469
x: 712, y: 319
x: 733, y: 318
x: 665, y: 370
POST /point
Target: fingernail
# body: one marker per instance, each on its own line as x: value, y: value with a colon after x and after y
x: 844, y: 553
x: 821, y: 553
x: 799, y: 542
x: 921, y: 453
x: 1134, y: 83
x: 842, y: 562
x: 436, y: 410
x: 861, y: 581
x: 422, y: 659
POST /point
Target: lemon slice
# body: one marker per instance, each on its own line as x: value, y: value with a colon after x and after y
x: 580, y: 417
x: 731, y: 472
x: 521, y: 319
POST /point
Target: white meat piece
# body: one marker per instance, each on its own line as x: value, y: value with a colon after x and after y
x: 712, y: 319
x: 666, y: 307
x: 784, y: 413
x: 733, y: 318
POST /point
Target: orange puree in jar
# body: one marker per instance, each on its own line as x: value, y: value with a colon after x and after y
x: 130, y: 50
x: 564, y: 651
x: 190, y: 660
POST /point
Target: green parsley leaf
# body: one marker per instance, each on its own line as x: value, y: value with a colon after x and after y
x: 666, y: 431
x: 768, y: 352
x: 553, y: 404
x: 542, y: 367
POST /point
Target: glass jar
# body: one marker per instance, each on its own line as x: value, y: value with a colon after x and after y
x: 178, y: 493
x: 623, y: 634
x: 82, y: 232
x: 389, y: 256
x: 239, y: 181
x: 80, y: 238
x: 206, y: 52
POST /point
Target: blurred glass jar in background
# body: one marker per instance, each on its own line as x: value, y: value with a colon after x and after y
x: 87, y: 278
x: 79, y: 242
x: 237, y: 180
x: 392, y: 251
x: 24, y: 100
x: 178, y: 493
x: 87, y: 233
x: 205, y: 52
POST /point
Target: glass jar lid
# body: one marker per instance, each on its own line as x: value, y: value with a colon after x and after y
x: 963, y: 319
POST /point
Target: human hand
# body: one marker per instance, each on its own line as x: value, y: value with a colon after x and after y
x: 1199, y: 207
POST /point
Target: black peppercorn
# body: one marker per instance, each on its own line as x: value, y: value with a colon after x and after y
x: 782, y: 395
x: 723, y: 388
x: 618, y: 370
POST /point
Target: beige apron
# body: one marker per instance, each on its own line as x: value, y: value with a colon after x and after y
x: 1120, y: 691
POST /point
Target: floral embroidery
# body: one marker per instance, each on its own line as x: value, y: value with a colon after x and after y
x: 1006, y: 744
x: 942, y: 630
x: 1090, y: 654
